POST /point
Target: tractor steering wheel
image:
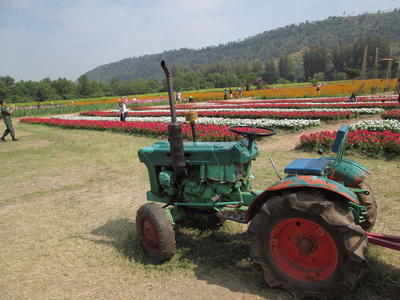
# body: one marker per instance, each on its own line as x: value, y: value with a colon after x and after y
x: 251, y: 135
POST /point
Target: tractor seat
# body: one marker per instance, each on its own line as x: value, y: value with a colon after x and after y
x: 316, y: 166
x: 307, y: 166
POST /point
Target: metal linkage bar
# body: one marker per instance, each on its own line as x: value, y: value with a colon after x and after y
x: 387, y: 241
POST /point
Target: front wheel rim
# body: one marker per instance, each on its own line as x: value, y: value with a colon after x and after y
x: 149, y: 235
x: 303, y: 250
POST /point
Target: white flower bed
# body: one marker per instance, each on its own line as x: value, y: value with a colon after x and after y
x: 286, y: 123
x: 361, y: 111
x: 392, y: 125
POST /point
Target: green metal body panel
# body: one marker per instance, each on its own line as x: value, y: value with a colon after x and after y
x: 294, y: 182
x: 218, y: 175
x: 306, y: 181
x: 349, y: 172
x: 224, y: 162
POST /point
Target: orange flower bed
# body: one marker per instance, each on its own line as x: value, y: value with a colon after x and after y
x: 329, y: 89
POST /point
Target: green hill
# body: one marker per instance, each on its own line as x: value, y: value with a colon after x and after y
x: 292, y: 39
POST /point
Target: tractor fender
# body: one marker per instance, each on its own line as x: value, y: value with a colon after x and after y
x: 300, y: 183
x: 349, y: 172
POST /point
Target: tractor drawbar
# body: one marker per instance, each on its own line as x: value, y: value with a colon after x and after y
x: 174, y: 130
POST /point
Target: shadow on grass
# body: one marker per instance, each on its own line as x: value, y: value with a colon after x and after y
x: 221, y: 257
x: 218, y: 257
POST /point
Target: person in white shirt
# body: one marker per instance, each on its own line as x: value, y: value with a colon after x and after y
x: 123, y: 112
x: 178, y: 96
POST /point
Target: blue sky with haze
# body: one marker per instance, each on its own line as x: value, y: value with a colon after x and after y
x: 60, y: 38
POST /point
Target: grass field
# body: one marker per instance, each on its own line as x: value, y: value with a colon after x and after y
x: 68, y: 203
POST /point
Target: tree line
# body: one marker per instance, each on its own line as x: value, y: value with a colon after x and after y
x: 317, y: 63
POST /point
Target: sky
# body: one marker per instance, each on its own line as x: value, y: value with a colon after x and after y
x: 67, y: 38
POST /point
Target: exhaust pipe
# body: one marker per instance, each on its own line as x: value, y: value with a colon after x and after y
x: 174, y: 130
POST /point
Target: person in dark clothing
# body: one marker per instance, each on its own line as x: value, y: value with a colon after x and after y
x: 353, y: 98
x: 6, y: 115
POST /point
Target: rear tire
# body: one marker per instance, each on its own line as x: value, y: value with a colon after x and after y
x: 307, y: 245
x: 368, y: 201
x: 155, y: 232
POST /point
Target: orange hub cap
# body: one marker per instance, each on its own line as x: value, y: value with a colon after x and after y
x: 303, y: 250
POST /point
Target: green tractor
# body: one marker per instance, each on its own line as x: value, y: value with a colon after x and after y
x: 307, y: 229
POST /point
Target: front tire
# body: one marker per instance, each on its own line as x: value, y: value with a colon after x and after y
x: 307, y: 245
x: 155, y: 232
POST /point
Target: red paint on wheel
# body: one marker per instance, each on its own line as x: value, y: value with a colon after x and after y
x: 149, y: 235
x: 303, y: 250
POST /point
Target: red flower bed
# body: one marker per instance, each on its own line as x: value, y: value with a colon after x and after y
x: 203, y: 132
x: 286, y: 104
x: 313, y: 115
x: 391, y: 115
x: 373, y: 144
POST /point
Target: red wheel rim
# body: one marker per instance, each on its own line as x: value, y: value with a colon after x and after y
x: 149, y: 235
x: 303, y: 250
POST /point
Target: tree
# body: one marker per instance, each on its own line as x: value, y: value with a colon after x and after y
x: 270, y: 75
x: 45, y: 91
x: 284, y: 65
x: 316, y: 59
x: 247, y: 80
x: 6, y: 86
x: 191, y: 81
x: 116, y: 86
x: 341, y: 55
x: 152, y: 86
x: 83, y: 87
x: 257, y: 65
x: 231, y: 79
x: 63, y: 87
x: 353, y: 73
x: 140, y: 86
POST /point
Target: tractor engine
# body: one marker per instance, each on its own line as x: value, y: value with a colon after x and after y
x: 216, y: 172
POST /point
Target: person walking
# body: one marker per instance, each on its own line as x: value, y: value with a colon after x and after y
x: 178, y: 96
x: 123, y: 112
x: 225, y: 94
x: 230, y: 93
x: 6, y: 115
x: 240, y: 93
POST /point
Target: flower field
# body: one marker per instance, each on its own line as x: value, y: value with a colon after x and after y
x: 391, y: 115
x: 278, y: 124
x: 325, y: 115
x: 386, y: 102
x: 370, y: 138
x: 286, y: 92
x: 374, y: 138
x: 369, y: 143
x: 204, y: 132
